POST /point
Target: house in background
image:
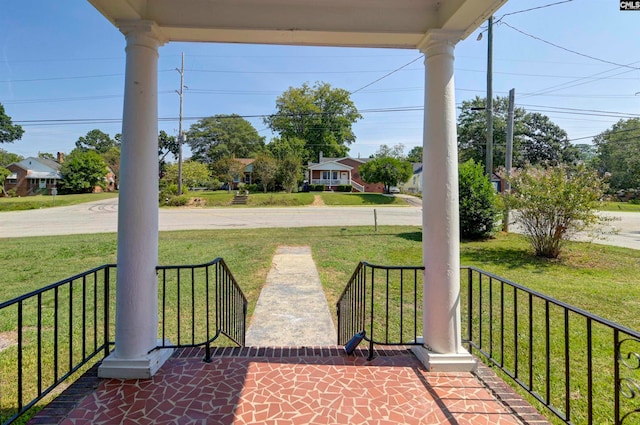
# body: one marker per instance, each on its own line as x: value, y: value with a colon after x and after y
x: 414, y: 185
x: 333, y: 172
x: 34, y: 176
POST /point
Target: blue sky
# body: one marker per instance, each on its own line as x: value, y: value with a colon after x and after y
x: 61, y: 60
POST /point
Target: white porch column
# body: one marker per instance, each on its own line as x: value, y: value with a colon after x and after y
x: 137, y: 287
x: 442, y: 349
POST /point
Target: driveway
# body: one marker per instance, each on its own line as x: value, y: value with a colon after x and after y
x: 102, y: 217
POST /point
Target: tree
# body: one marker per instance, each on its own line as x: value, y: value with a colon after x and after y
x: 536, y: 139
x: 47, y: 155
x: 477, y: 201
x: 9, y: 132
x: 7, y: 158
x: 97, y: 140
x: 227, y: 170
x: 265, y: 169
x: 619, y: 153
x: 223, y: 136
x: 386, y: 170
x: 112, y: 159
x: 281, y: 147
x: 290, y: 172
x: 554, y: 204
x: 194, y: 174
x: 322, y: 116
x: 82, y: 171
x: 166, y: 145
x: 397, y: 151
x: 415, y: 154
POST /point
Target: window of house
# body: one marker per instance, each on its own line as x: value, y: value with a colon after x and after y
x: 330, y: 175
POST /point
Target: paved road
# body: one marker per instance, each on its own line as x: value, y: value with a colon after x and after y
x: 102, y: 217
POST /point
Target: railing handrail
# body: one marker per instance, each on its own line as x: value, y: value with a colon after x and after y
x: 80, y: 308
x: 53, y: 285
x: 559, y: 303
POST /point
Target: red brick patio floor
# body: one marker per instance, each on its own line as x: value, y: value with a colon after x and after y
x: 292, y: 386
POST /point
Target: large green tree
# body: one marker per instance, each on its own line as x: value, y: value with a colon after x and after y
x: 386, y: 170
x: 320, y: 115
x: 618, y: 153
x: 82, y: 170
x: 536, y: 139
x: 97, y: 140
x: 9, y: 132
x: 223, y: 136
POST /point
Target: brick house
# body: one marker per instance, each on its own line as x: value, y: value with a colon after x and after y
x: 333, y: 172
x: 39, y: 176
x: 33, y: 176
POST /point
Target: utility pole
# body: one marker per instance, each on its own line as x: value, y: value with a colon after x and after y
x: 489, y: 110
x: 180, y: 135
x: 509, y: 154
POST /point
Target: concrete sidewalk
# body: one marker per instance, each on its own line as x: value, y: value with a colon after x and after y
x: 292, y: 310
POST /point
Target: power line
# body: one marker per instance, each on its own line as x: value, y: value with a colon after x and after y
x: 386, y: 75
x: 569, y: 50
x: 533, y: 8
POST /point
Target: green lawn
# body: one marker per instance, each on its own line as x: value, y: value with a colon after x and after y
x: 223, y: 198
x: 601, y: 279
x: 355, y: 199
x: 620, y: 206
x: 42, y: 201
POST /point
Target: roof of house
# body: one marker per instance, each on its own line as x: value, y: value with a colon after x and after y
x: 333, y: 165
x: 245, y: 161
x: 40, y: 168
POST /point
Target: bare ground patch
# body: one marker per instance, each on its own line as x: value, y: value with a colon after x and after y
x: 317, y: 201
x: 7, y: 339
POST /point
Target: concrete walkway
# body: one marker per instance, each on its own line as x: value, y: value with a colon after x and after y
x: 292, y: 310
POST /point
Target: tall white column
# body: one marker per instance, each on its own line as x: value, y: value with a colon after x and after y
x: 137, y: 287
x: 442, y: 349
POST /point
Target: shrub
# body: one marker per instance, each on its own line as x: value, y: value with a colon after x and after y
x: 252, y: 187
x: 344, y: 188
x: 316, y: 187
x: 554, y: 204
x: 177, y: 201
x: 478, y: 208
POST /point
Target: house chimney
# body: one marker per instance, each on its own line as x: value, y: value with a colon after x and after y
x: 320, y: 157
x: 60, y: 157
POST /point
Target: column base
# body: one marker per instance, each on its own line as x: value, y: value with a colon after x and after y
x: 435, y: 362
x: 139, y: 368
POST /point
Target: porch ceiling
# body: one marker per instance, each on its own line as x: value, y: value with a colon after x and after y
x: 361, y: 23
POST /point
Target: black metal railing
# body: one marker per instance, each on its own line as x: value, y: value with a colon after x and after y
x: 384, y: 302
x: 583, y: 368
x: 194, y: 311
x: 52, y: 333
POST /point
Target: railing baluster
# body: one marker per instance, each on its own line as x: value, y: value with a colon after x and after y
x: 39, y: 360
x: 193, y: 306
x: 567, y: 368
x: 20, y: 351
x: 589, y: 373
x: 531, y: 342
